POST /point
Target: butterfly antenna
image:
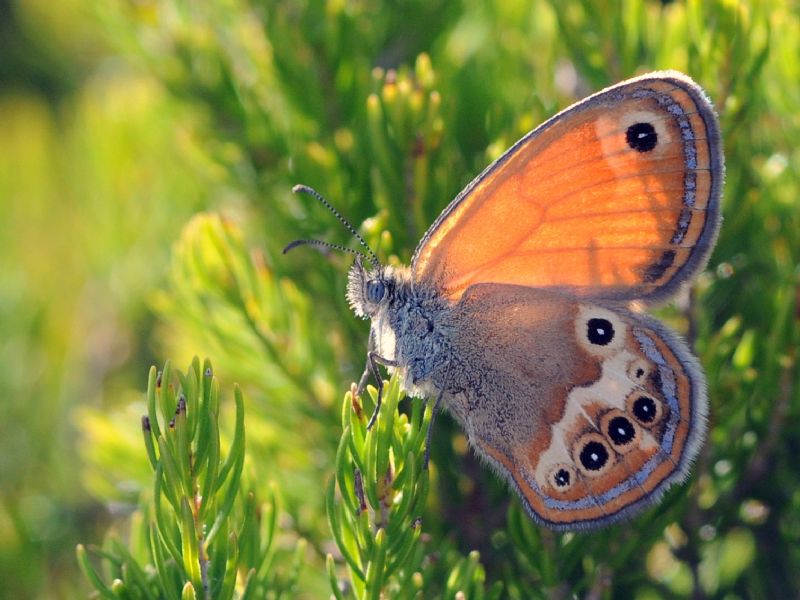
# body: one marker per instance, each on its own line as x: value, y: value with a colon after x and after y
x: 373, y: 258
x: 320, y: 244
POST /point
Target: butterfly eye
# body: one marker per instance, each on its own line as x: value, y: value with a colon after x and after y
x: 646, y: 409
x: 642, y: 137
x: 593, y: 455
x: 376, y: 290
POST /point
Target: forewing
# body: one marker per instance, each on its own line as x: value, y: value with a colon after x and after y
x: 617, y: 197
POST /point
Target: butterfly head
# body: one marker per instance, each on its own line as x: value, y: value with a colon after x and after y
x: 369, y: 288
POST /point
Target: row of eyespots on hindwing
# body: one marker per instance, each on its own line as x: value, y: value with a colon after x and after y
x: 616, y: 432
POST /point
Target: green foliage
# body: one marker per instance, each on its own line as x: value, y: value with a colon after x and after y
x: 383, y: 485
x: 200, y: 533
x: 147, y: 155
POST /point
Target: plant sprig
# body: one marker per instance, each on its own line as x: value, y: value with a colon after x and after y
x: 203, y: 535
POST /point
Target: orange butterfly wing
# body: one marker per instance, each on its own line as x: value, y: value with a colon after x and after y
x: 616, y: 197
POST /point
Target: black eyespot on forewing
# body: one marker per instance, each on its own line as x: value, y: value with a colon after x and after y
x: 642, y: 137
x: 621, y: 431
x: 600, y: 332
x: 593, y: 456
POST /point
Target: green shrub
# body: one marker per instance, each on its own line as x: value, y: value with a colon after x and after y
x: 190, y: 124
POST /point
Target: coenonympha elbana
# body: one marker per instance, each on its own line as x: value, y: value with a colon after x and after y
x: 521, y: 311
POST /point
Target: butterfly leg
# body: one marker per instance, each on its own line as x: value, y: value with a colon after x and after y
x: 362, y: 383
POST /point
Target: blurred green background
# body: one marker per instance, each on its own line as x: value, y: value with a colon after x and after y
x: 147, y: 154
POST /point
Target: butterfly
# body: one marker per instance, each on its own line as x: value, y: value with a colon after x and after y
x: 522, y: 310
